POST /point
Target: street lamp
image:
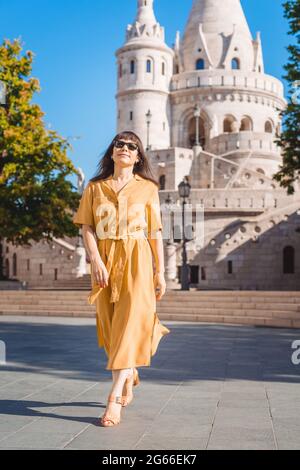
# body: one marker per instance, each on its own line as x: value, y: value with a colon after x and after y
x: 184, y: 189
x: 197, y: 112
x: 149, y: 117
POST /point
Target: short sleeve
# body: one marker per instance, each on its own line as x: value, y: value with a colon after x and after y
x: 84, y: 214
x: 153, y: 213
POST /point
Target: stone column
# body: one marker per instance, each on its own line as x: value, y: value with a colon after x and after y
x: 195, y: 176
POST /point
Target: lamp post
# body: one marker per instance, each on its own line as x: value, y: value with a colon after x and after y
x: 149, y: 117
x: 184, y: 189
x: 197, y: 112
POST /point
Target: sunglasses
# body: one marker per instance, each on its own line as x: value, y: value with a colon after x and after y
x: 119, y: 144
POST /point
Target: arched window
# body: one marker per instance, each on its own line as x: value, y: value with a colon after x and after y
x: 148, y: 66
x: 120, y: 71
x: 229, y: 124
x: 288, y: 260
x: 176, y: 69
x: 200, y: 64
x: 235, y: 64
x: 132, y: 66
x: 246, y: 124
x: 14, y: 264
x: 162, y: 182
x: 268, y: 127
x: 163, y: 68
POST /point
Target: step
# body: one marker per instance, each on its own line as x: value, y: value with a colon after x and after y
x: 51, y: 308
x: 166, y: 300
x: 69, y: 295
x: 221, y: 303
x: 190, y: 294
x: 21, y: 309
x: 228, y: 319
x: 46, y: 313
x: 232, y: 311
x: 207, y: 310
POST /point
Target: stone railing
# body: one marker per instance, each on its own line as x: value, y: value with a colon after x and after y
x: 220, y: 79
x: 236, y: 199
x: 247, y: 140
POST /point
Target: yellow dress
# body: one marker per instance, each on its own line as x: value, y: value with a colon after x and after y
x: 127, y: 324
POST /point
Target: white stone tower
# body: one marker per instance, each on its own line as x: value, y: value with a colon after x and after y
x: 220, y: 67
x: 222, y: 117
x: 145, y: 69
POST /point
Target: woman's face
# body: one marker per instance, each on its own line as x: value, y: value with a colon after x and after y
x: 125, y: 155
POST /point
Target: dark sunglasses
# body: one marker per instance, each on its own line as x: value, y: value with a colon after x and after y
x: 119, y: 144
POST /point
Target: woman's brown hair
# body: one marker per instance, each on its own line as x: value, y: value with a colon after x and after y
x: 105, y: 167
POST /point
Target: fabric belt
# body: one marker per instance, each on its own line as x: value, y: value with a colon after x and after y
x: 116, y: 262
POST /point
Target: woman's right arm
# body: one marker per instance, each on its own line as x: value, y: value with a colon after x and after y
x: 99, y: 271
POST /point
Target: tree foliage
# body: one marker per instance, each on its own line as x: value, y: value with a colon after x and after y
x: 36, y: 199
x: 289, y: 140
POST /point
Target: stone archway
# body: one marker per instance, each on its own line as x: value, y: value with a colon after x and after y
x: 187, y: 128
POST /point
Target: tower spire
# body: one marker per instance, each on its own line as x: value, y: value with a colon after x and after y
x: 218, y: 30
x: 145, y: 26
x: 145, y: 13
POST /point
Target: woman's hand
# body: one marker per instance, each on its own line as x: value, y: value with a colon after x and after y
x: 160, y: 285
x: 99, y: 272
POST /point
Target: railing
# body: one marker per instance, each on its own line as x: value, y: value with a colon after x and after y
x: 238, y: 199
x: 198, y: 79
x: 247, y: 140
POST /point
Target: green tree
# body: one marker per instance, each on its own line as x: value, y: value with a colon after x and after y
x: 289, y: 140
x: 36, y: 199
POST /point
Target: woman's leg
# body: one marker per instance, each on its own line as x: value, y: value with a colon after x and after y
x: 119, y: 377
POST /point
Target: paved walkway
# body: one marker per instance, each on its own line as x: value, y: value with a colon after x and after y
x: 208, y: 387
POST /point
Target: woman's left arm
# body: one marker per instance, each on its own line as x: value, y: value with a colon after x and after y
x: 157, y: 248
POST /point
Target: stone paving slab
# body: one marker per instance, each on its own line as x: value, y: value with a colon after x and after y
x: 209, y: 386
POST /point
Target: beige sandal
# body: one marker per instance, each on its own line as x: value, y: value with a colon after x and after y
x: 106, y: 419
x: 131, y: 382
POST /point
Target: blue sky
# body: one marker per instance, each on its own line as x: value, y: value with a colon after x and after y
x: 75, y: 41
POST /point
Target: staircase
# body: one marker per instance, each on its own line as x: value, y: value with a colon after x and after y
x: 260, y: 308
x: 81, y: 283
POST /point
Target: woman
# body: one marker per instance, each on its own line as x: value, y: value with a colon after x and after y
x: 116, y: 208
